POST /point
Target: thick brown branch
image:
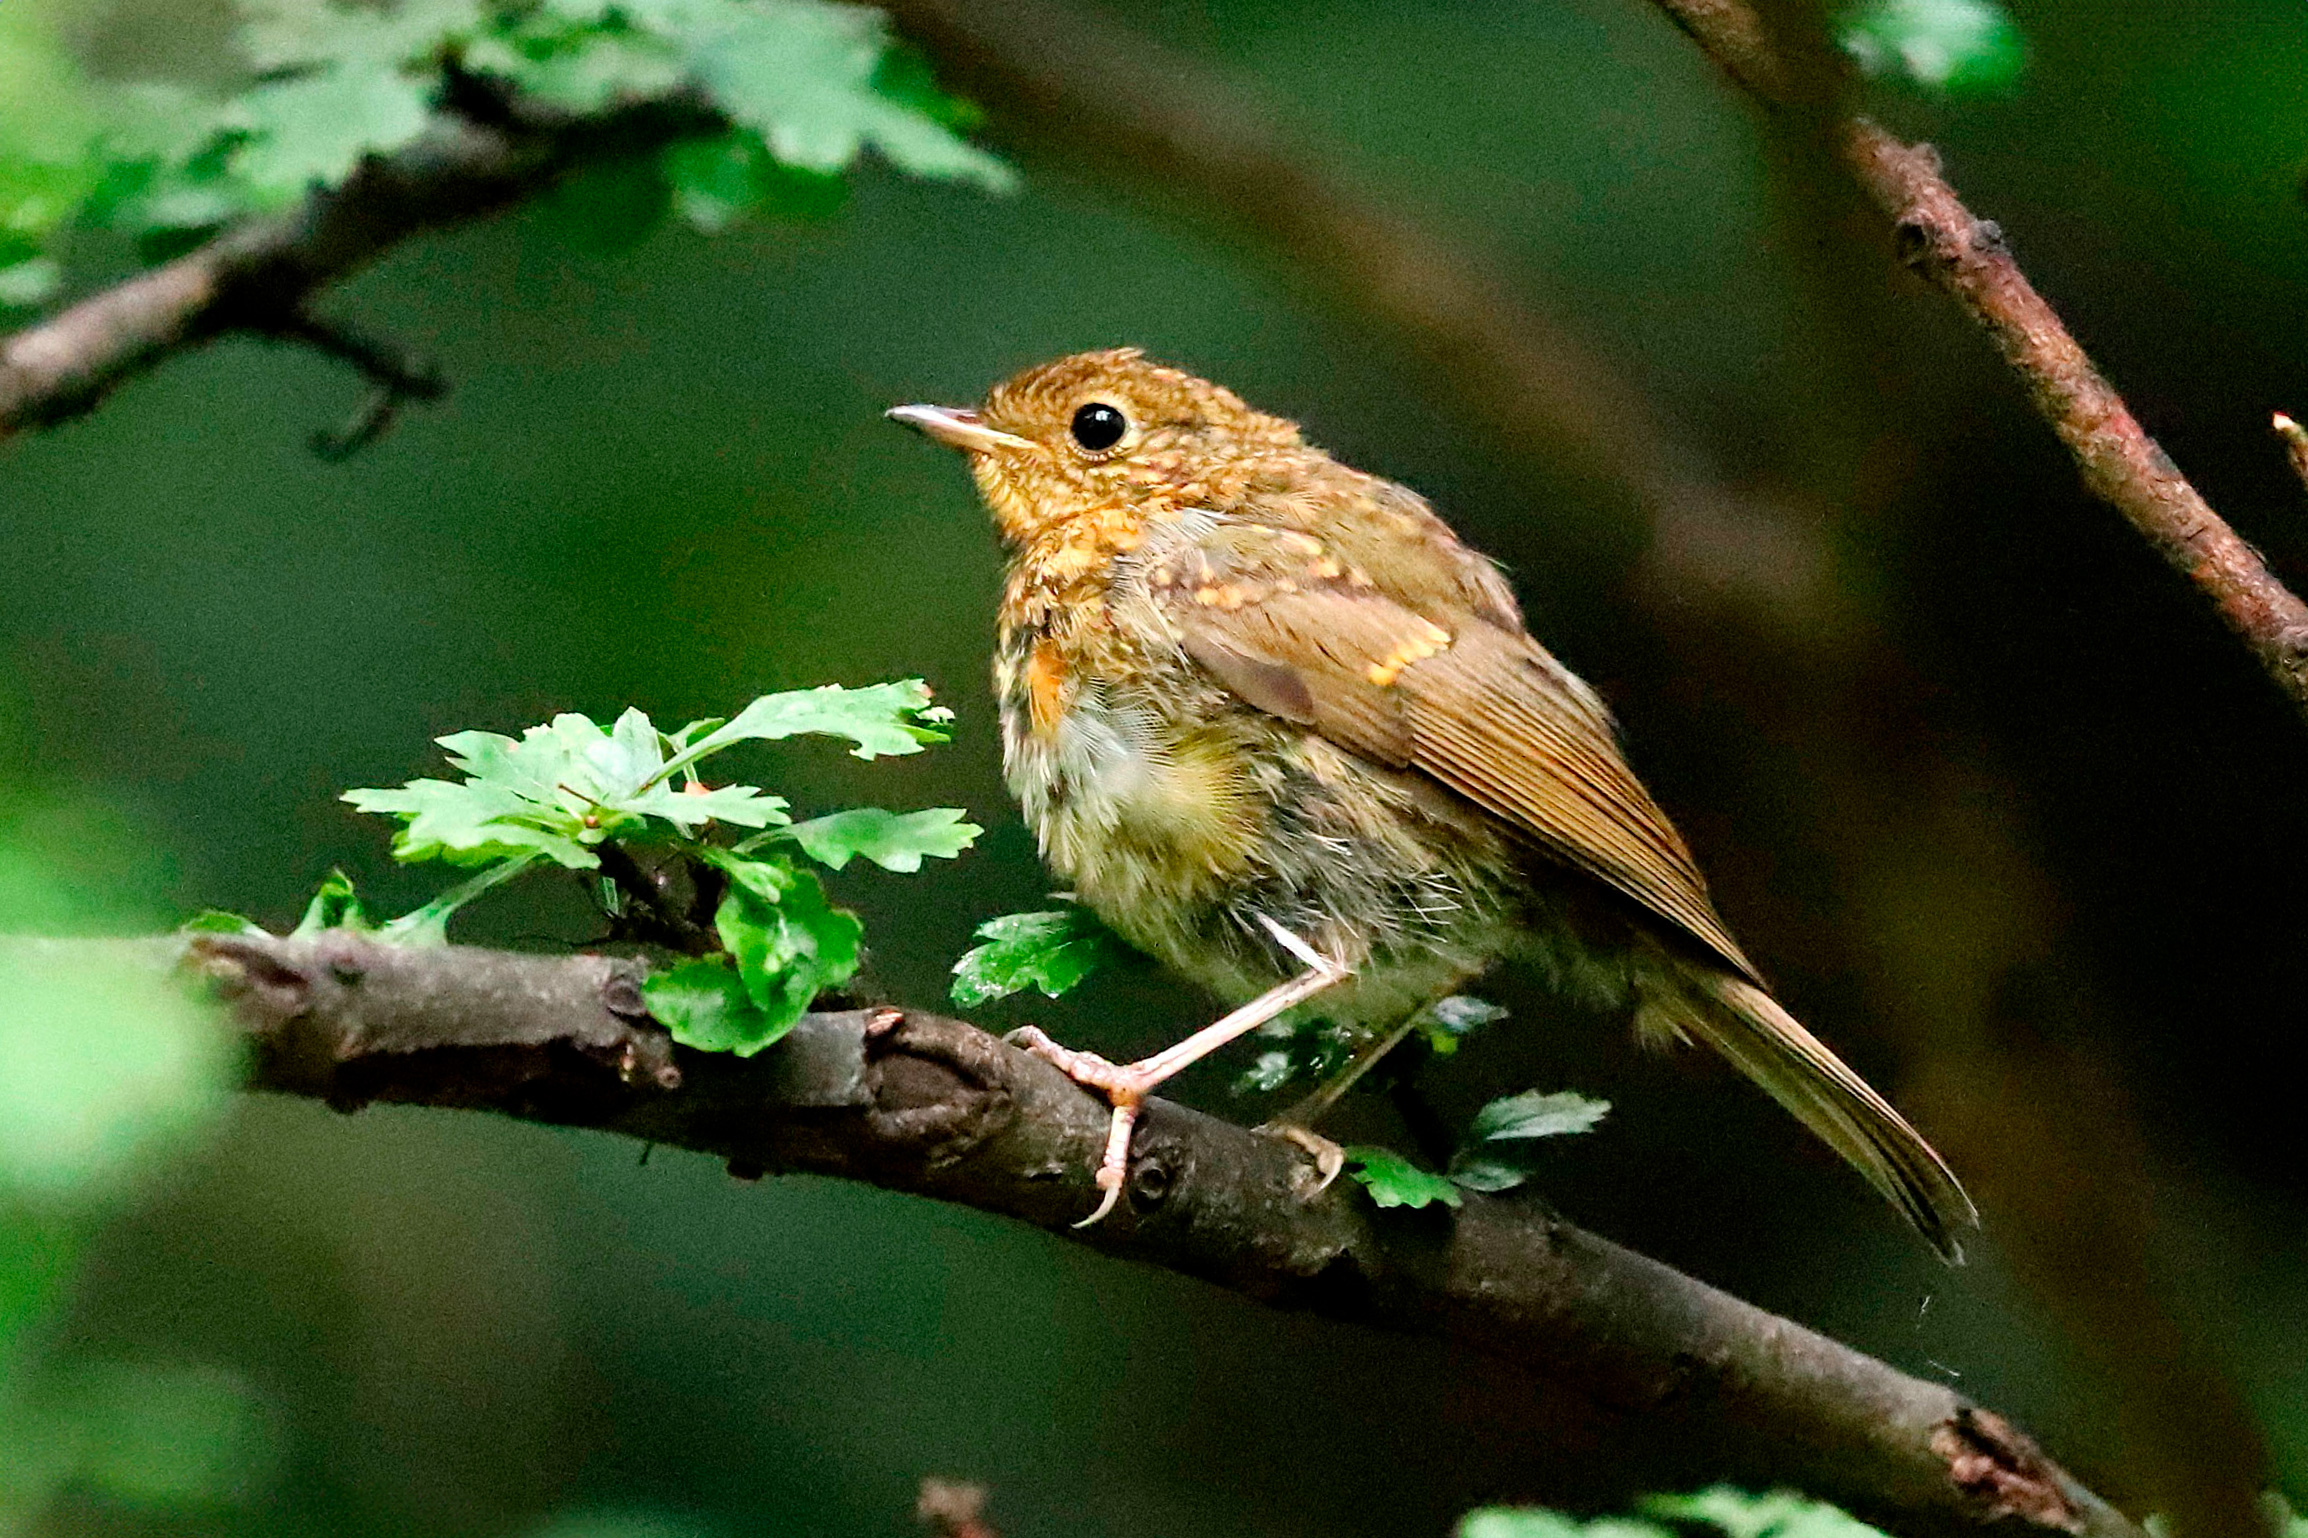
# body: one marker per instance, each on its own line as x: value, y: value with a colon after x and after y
x: 1965, y: 257
x: 1687, y: 1380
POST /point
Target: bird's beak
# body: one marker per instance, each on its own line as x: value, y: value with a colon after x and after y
x: 956, y: 428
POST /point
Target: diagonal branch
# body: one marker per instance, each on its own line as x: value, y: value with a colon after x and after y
x: 1660, y: 1364
x: 1966, y: 258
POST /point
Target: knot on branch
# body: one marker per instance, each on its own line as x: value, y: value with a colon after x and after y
x: 1997, y: 1466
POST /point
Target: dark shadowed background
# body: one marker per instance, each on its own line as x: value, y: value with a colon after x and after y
x: 1972, y: 772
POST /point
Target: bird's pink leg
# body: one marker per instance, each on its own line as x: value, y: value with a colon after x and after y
x: 1126, y: 1085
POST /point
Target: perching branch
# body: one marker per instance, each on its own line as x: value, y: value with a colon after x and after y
x: 1627, y: 1348
x: 1966, y: 257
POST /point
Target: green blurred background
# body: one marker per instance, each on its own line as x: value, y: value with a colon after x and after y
x: 662, y: 479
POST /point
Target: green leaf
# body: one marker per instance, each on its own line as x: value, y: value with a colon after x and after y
x: 1496, y: 1155
x: 1533, y: 1522
x: 476, y: 823
x: 109, y: 1066
x: 1447, y: 1022
x: 693, y: 805
x: 1953, y: 47
x: 582, y: 69
x: 333, y: 907
x: 1778, y: 1514
x: 1051, y: 951
x: 883, y: 720
x: 215, y: 921
x: 789, y: 944
x: 28, y: 283
x: 893, y: 840
x: 705, y: 1006
x: 1533, y: 1115
x: 1394, y: 1181
x: 311, y: 131
x: 805, y: 76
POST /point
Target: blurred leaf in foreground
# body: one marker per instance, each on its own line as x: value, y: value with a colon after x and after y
x: 1954, y: 47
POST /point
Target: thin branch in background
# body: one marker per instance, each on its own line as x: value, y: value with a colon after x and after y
x: 2190, y: 1445
x: 1967, y: 258
x: 394, y: 380
x: 951, y: 1509
x: 1683, y: 1382
x: 1080, y: 89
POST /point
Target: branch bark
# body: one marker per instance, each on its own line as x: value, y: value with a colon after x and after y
x: 1966, y: 258
x: 1640, y: 1353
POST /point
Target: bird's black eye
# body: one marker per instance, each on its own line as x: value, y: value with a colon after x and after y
x: 1098, y: 426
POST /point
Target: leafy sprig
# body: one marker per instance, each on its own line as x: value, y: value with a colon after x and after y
x: 571, y: 791
x: 1051, y: 951
x: 788, y: 94
x: 1497, y: 1154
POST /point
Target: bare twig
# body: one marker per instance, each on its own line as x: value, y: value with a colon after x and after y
x: 1966, y: 257
x: 394, y: 380
x: 1687, y: 1383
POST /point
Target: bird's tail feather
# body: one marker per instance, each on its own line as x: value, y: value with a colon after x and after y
x: 1795, y: 1068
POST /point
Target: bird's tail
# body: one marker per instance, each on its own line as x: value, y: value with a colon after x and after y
x: 1795, y: 1068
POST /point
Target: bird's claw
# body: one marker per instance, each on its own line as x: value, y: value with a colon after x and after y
x: 1329, y: 1159
x: 1125, y: 1090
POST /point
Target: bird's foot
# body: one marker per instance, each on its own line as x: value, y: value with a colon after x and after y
x: 1125, y: 1087
x: 1328, y: 1157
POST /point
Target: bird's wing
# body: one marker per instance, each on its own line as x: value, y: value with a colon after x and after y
x: 1419, y: 665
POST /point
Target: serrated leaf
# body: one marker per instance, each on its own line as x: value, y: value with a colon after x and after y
x: 333, y: 906
x: 1534, y: 1115
x: 1497, y: 1155
x: 691, y: 806
x: 581, y: 70
x: 1956, y: 47
x: 893, y: 840
x: 704, y: 1006
x: 312, y: 130
x: 1051, y: 951
x: 883, y: 720
x: 788, y: 942
x: 804, y: 76
x: 1394, y: 1181
x: 475, y: 823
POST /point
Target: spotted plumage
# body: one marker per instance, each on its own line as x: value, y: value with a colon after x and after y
x: 1244, y: 686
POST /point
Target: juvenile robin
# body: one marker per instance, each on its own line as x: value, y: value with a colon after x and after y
x: 1281, y: 730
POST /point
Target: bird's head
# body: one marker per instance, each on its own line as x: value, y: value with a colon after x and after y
x: 1094, y: 431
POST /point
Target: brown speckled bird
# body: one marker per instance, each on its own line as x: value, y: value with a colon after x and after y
x: 1278, y: 728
